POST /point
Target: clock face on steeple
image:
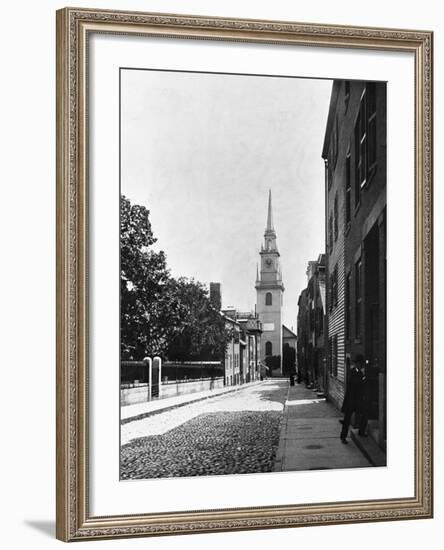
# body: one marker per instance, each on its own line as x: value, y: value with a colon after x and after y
x: 270, y: 276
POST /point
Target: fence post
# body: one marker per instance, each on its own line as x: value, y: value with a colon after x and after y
x: 149, y: 363
x: 158, y: 364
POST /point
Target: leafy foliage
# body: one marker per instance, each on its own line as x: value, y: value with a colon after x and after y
x: 202, y: 334
x: 161, y: 315
x: 273, y: 362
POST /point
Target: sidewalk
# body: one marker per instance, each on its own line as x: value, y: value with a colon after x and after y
x: 309, y: 438
x: 139, y: 411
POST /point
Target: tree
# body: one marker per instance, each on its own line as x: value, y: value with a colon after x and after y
x: 273, y: 362
x: 161, y: 315
x: 147, y: 311
x: 202, y: 334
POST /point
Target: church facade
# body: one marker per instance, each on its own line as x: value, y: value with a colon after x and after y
x: 269, y: 292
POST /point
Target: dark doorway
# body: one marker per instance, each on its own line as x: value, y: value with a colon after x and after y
x: 372, y: 313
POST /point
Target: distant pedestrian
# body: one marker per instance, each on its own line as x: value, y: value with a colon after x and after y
x: 355, y: 400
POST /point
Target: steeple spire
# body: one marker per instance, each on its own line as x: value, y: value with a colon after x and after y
x: 269, y: 291
x: 270, y: 214
x: 270, y: 233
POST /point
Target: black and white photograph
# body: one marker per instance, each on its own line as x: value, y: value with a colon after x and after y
x: 219, y: 261
x: 252, y: 274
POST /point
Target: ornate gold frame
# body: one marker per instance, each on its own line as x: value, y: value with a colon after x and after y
x: 73, y: 519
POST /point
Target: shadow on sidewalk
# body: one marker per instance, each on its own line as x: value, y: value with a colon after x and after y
x: 310, y: 435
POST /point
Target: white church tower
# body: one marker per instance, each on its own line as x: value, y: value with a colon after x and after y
x: 269, y: 292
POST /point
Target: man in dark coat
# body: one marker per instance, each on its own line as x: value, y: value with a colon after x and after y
x: 355, y: 398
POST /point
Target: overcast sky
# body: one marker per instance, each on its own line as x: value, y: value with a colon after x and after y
x: 201, y: 151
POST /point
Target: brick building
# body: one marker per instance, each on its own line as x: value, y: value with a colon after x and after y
x: 334, y: 154
x: 312, y: 327
x: 242, y: 356
x: 355, y: 161
x: 232, y: 364
x: 251, y: 329
x: 303, y: 338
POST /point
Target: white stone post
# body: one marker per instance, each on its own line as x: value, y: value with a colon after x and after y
x: 149, y: 364
x: 158, y: 363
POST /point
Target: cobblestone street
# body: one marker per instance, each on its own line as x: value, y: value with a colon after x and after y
x: 234, y: 433
x: 263, y: 427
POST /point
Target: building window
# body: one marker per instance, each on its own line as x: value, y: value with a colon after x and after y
x: 357, y: 163
x: 330, y: 232
x: 333, y: 301
x: 268, y: 299
x: 358, y: 298
x: 371, y: 102
x: 335, y: 355
x: 335, y: 217
x: 346, y: 93
x: 334, y: 287
x: 347, y: 189
x: 347, y: 306
x: 268, y: 348
x: 365, y: 140
x: 334, y: 143
x: 330, y: 292
x: 333, y: 347
x: 319, y: 321
x: 330, y: 355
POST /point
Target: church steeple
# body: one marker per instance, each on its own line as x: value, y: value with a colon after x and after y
x: 269, y: 291
x: 270, y: 227
x: 270, y: 233
x: 269, y: 272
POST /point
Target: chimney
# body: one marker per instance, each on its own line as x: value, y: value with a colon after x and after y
x: 215, y: 296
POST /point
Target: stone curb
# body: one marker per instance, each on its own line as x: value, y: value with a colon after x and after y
x: 280, y: 453
x: 369, y: 448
